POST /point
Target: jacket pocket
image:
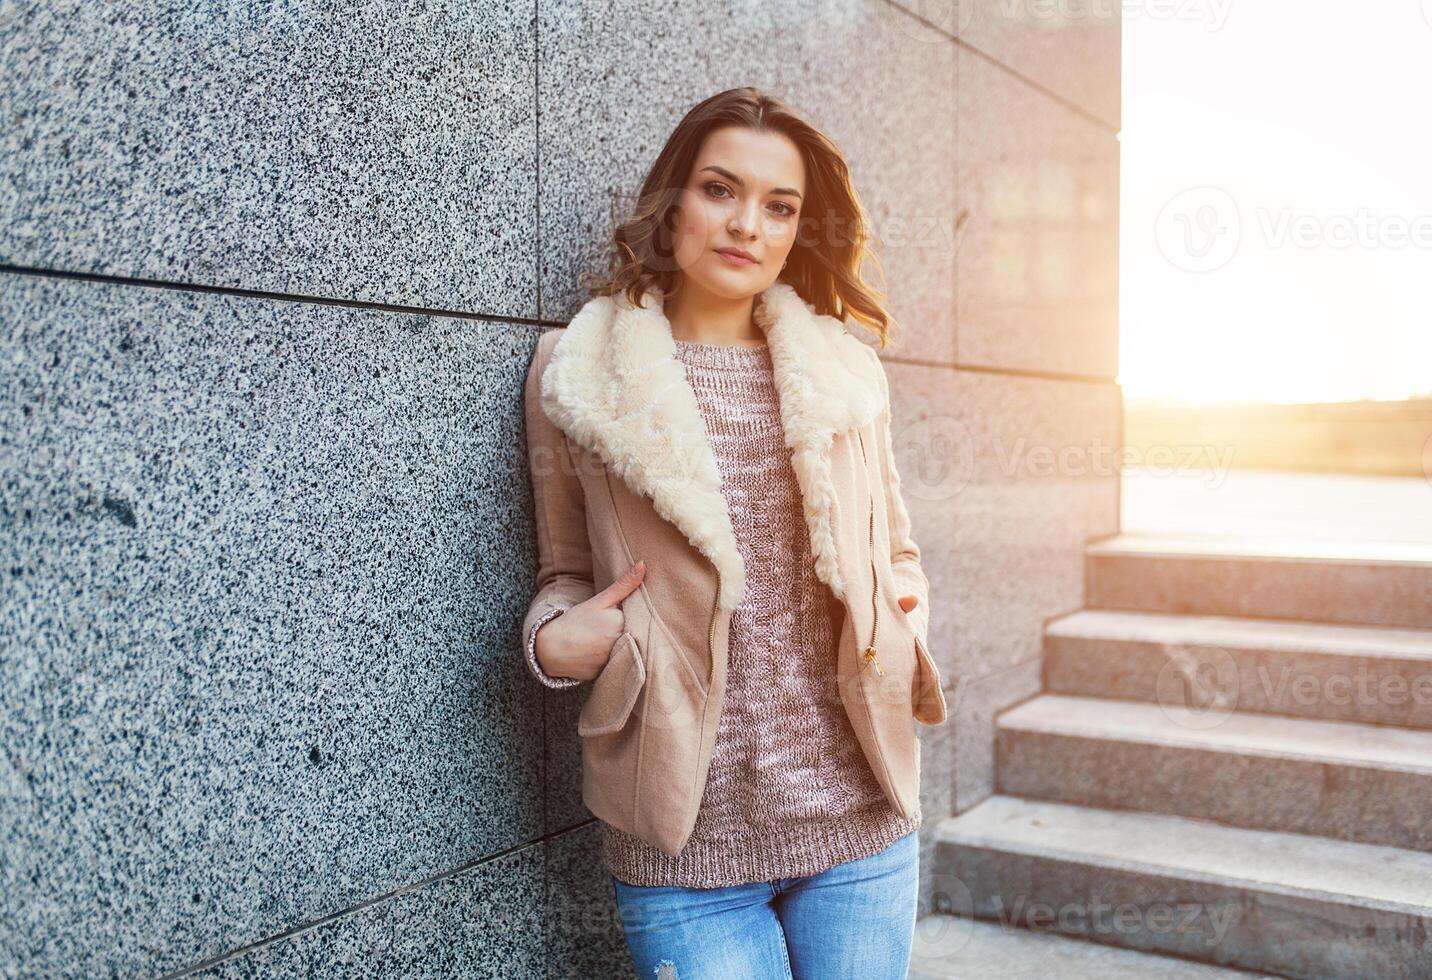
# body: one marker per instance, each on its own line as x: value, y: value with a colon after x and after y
x: 614, y: 691
x: 927, y: 697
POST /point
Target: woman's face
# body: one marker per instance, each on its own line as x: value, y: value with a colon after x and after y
x: 744, y: 193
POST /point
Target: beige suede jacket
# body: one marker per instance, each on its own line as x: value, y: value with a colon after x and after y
x: 622, y: 470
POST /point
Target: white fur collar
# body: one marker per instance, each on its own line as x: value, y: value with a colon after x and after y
x: 615, y: 387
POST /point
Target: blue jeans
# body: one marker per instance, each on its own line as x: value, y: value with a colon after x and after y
x: 856, y: 919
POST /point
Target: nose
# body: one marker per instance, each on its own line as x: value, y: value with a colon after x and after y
x: 743, y: 223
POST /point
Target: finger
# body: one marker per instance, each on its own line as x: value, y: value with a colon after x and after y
x: 624, y: 585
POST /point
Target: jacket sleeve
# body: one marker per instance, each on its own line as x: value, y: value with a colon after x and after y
x: 910, y: 578
x: 564, y: 556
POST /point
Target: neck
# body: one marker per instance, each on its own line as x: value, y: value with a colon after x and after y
x: 699, y: 316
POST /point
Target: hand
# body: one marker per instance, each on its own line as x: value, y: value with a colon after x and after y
x: 908, y: 602
x: 579, y: 642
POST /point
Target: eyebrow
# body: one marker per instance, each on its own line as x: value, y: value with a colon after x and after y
x: 741, y: 183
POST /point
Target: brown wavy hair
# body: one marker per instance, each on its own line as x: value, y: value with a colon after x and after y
x: 832, y: 237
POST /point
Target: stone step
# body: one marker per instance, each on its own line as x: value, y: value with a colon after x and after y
x: 1328, y: 581
x: 1372, y: 674
x: 1333, y: 779
x: 1279, y: 903
x: 949, y: 947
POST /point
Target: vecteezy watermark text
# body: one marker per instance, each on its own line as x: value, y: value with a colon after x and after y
x: 1201, y: 229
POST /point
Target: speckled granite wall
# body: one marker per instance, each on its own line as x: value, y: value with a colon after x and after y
x: 270, y: 277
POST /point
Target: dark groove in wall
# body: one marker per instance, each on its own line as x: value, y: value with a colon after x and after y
x: 270, y: 295
x: 367, y: 903
x: 1008, y: 372
x: 537, y: 138
x: 1063, y: 100
x: 497, y: 318
x: 1119, y: 483
x: 537, y: 153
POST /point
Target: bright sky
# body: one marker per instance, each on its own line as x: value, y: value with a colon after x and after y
x: 1276, y: 211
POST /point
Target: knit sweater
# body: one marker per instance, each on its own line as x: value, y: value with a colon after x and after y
x: 789, y: 791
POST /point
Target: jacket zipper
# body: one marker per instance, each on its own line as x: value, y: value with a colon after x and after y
x: 869, y: 656
x: 715, y: 608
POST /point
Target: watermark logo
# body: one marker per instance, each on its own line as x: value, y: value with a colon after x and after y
x: 945, y: 933
x: 935, y: 457
x: 1189, y: 924
x: 1212, y: 14
x: 1200, y: 229
x: 578, y: 913
x: 1198, y: 686
x: 668, y: 243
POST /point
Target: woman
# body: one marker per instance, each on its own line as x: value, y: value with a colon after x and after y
x: 724, y: 553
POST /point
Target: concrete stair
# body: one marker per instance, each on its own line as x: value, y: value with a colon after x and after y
x: 1379, y: 675
x: 1376, y: 584
x: 1233, y: 753
x: 949, y: 947
x: 1282, y: 903
x: 1334, y: 779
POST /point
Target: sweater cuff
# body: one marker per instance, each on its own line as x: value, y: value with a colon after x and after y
x: 537, y: 671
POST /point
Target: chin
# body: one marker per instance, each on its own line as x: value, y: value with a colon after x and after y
x: 733, y: 283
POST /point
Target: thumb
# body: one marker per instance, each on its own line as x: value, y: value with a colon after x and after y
x: 624, y: 585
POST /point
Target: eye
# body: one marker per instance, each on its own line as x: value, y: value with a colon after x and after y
x: 713, y: 184
x: 788, y: 209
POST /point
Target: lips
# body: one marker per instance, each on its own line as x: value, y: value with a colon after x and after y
x: 737, y: 256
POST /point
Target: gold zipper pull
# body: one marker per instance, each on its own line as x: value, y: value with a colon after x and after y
x: 870, y: 659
